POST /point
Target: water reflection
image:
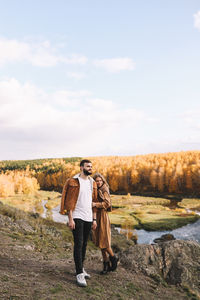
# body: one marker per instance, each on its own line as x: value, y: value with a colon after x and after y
x: 53, y: 214
x: 128, y: 232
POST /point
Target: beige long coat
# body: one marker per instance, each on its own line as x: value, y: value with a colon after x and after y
x: 102, y: 234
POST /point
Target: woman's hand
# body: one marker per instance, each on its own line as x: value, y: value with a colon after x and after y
x: 71, y: 224
x: 93, y: 204
x: 94, y: 225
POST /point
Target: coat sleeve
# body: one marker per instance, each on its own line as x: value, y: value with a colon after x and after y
x: 94, y: 196
x: 63, y: 211
x: 106, y: 202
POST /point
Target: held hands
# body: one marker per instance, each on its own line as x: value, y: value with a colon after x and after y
x: 71, y: 224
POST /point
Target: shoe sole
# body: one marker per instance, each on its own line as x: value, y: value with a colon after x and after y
x: 81, y: 285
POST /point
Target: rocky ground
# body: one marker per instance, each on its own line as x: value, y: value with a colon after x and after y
x: 36, y: 263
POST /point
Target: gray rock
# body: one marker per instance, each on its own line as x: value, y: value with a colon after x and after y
x: 164, y: 238
x: 176, y: 262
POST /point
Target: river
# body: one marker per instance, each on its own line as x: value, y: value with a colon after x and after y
x: 187, y: 232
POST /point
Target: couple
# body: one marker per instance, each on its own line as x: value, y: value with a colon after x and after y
x: 87, y: 201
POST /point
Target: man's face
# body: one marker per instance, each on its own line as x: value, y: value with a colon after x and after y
x: 87, y: 169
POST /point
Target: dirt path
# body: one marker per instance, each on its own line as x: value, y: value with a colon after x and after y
x: 27, y: 274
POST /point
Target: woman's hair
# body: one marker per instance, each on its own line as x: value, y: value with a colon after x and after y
x: 102, y: 177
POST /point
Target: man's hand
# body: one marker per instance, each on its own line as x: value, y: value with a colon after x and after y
x: 94, y: 225
x: 71, y: 224
x: 93, y: 204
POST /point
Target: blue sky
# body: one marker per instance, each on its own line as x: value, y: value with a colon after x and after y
x: 87, y: 78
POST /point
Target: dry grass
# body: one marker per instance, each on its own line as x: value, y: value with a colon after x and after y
x: 190, y: 203
x: 150, y: 213
x: 33, y: 202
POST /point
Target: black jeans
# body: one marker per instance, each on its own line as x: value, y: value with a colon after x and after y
x: 81, y: 234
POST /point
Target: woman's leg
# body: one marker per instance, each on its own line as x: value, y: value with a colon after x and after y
x: 104, y: 254
x: 106, y: 263
x: 109, y: 251
x: 113, y: 259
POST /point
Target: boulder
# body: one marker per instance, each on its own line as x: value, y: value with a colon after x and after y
x: 165, y: 238
x: 175, y: 262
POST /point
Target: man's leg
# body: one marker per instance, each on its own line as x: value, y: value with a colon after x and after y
x: 86, y: 232
x: 78, y: 245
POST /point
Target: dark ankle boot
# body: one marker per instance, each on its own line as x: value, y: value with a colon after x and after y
x: 114, y: 261
x: 106, y: 268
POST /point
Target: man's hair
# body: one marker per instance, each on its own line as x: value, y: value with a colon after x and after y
x: 84, y: 161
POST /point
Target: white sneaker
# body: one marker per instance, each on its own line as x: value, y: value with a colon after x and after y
x: 80, y: 279
x: 87, y: 276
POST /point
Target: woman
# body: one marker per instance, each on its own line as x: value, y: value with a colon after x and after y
x: 102, y: 234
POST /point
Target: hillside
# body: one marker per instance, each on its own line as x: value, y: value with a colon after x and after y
x: 36, y: 263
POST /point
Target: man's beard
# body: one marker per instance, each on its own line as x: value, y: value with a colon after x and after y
x: 87, y: 172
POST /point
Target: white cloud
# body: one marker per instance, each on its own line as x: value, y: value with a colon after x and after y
x: 34, y: 123
x: 40, y: 54
x: 68, y: 98
x: 191, y: 119
x: 76, y: 75
x: 115, y: 65
x: 98, y: 103
x: 197, y: 20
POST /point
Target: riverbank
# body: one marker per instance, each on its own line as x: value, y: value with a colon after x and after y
x: 36, y: 263
x: 152, y: 214
x: 148, y: 213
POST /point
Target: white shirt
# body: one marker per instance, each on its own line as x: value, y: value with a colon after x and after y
x: 83, y: 209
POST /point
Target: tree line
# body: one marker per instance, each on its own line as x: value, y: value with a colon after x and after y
x: 167, y: 173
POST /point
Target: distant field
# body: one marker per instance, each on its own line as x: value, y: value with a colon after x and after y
x: 151, y: 213
x: 128, y: 211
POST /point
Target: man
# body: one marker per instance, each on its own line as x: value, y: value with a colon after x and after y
x: 77, y: 196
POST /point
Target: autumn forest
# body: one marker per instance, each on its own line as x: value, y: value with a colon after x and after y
x: 169, y: 173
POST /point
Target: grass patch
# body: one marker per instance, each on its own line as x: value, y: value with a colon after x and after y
x: 190, y: 203
x: 131, y: 288
x: 151, y: 213
x: 121, y: 201
x: 94, y: 290
x: 15, y: 235
x: 4, y: 278
x: 58, y: 288
x: 122, y: 216
x: 157, y: 217
x: 33, y: 202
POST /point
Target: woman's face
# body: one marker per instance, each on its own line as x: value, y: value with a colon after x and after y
x: 99, y: 181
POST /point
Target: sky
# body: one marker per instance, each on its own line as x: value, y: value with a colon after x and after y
x: 92, y: 78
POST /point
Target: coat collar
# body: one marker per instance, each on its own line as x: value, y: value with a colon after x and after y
x: 77, y: 176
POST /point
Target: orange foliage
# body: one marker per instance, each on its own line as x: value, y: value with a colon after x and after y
x: 17, y: 182
x: 163, y: 173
